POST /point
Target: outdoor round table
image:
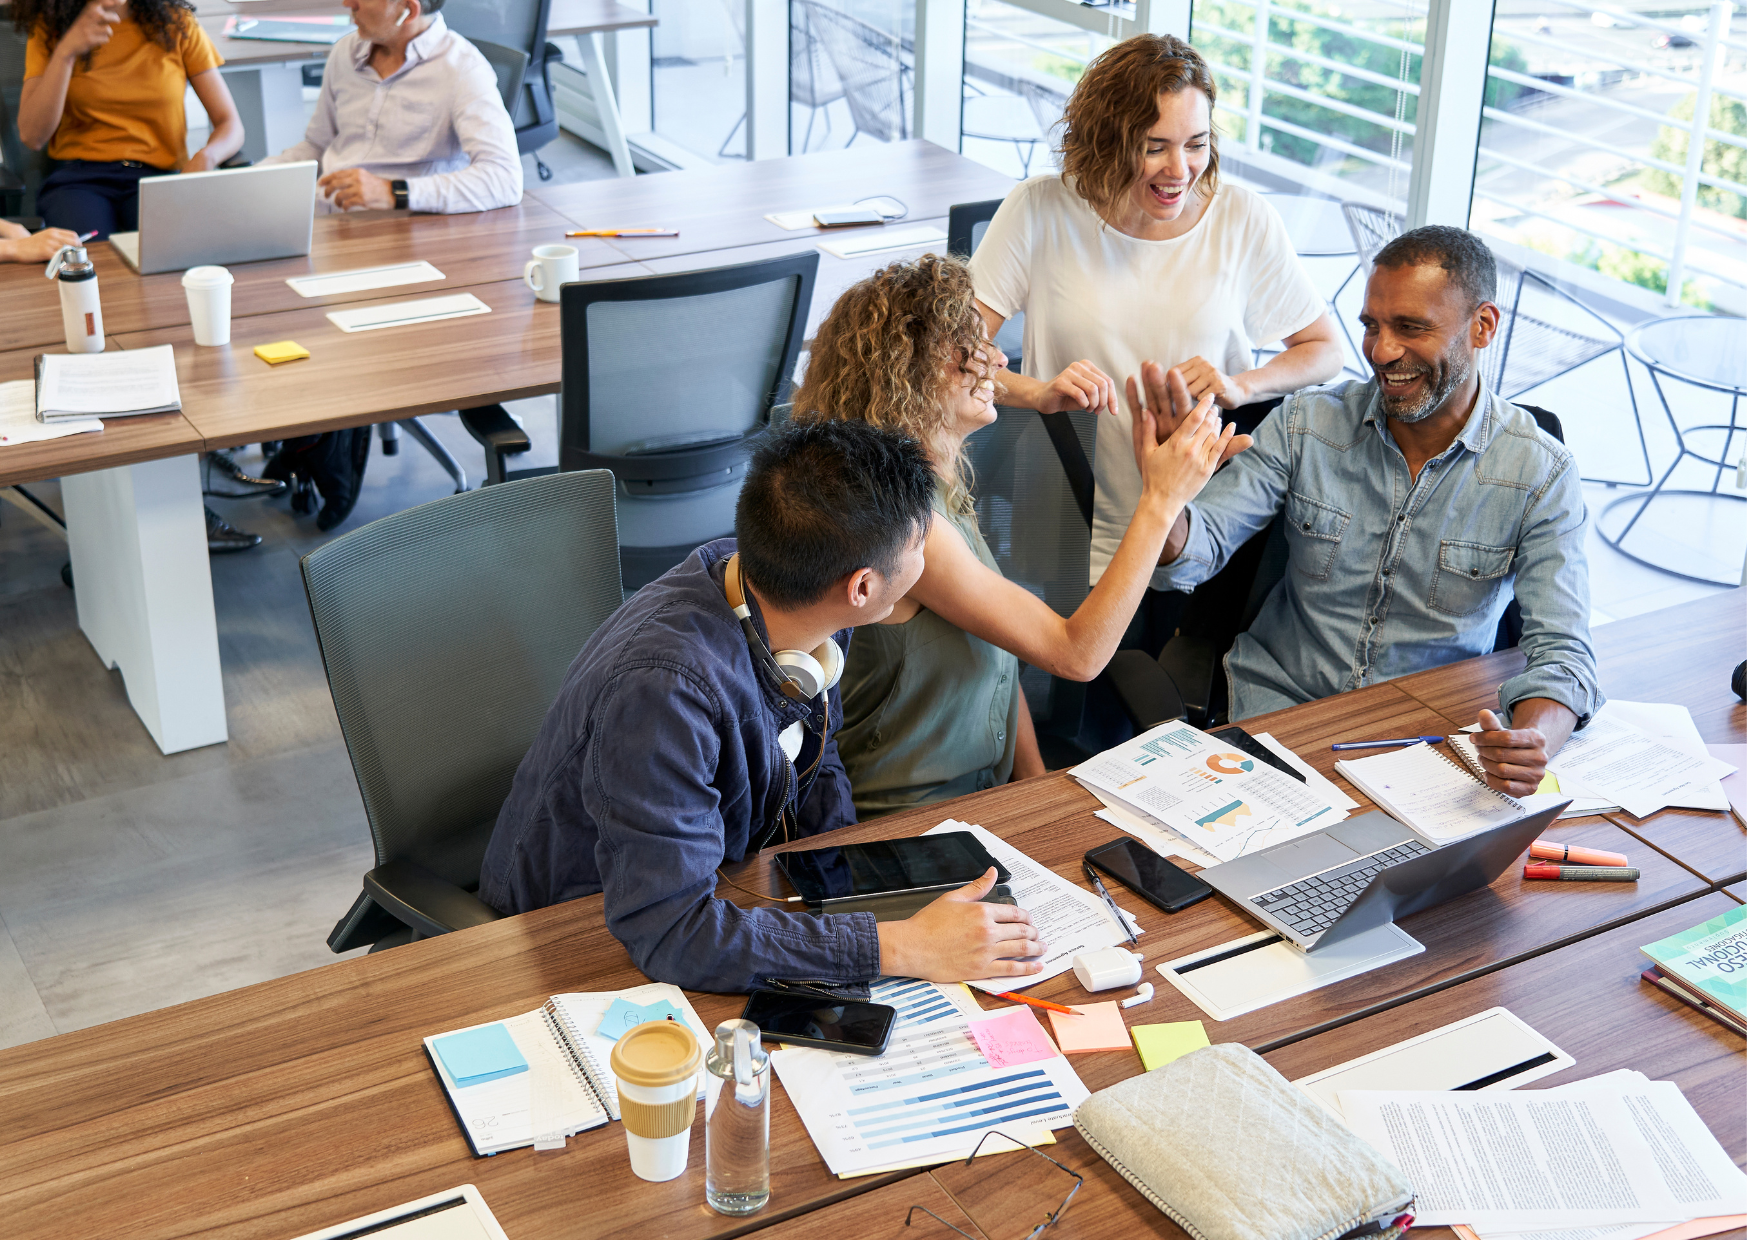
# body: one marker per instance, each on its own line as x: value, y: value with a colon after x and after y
x: 1704, y: 351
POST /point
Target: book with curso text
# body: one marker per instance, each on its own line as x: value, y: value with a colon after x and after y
x: 1710, y: 960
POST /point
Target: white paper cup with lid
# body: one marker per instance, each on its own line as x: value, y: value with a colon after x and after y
x: 656, y: 1066
x: 209, y: 303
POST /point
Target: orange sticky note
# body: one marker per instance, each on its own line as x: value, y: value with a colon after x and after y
x: 1094, y: 1027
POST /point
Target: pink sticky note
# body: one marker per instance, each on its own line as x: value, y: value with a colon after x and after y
x: 1015, y: 1037
x: 1094, y: 1027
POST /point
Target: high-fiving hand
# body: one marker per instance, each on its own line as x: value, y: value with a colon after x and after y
x: 1177, y: 469
x: 1165, y: 395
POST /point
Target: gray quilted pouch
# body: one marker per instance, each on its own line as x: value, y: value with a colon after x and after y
x: 1230, y: 1151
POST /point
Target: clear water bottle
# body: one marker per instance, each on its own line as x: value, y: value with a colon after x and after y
x: 737, y: 1121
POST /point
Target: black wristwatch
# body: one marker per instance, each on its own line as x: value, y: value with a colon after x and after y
x: 400, y: 191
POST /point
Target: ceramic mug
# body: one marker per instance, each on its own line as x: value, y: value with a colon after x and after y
x: 552, y: 266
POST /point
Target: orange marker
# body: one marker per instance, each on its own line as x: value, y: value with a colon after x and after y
x: 1037, y: 1003
x: 1547, y: 850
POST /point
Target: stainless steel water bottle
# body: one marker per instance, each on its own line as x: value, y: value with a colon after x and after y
x: 737, y: 1121
x: 81, y: 313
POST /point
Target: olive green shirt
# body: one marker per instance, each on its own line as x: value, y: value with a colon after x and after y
x: 929, y: 710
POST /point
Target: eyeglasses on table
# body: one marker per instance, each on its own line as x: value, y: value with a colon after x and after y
x: 1049, y: 1218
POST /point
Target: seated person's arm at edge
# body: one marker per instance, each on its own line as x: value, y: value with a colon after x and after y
x: 661, y: 842
x: 226, y: 138
x: 1558, y: 692
x: 957, y: 587
x: 19, y: 245
x: 1312, y: 355
x: 493, y: 176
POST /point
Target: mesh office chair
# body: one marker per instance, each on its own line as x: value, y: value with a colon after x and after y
x: 509, y: 64
x: 665, y: 378
x: 21, y: 169
x: 446, y: 631
x: 869, y: 66
x: 519, y: 24
x: 966, y: 224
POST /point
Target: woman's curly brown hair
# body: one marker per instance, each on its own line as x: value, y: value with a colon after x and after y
x: 160, y: 19
x: 890, y: 348
x: 1104, y: 136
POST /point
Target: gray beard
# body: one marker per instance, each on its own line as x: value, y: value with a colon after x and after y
x: 1458, y: 376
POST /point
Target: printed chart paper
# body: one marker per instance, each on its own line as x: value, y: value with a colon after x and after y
x: 930, y: 1097
x: 1069, y: 919
x: 1223, y: 801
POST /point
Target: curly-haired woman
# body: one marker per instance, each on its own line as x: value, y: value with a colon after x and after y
x: 932, y: 706
x: 1138, y: 254
x: 103, y: 90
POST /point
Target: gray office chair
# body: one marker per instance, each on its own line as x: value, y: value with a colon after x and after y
x: 21, y: 169
x: 664, y: 380
x: 518, y: 24
x: 446, y: 631
x: 509, y: 64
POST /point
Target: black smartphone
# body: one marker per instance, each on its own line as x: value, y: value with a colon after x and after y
x: 814, y: 1020
x: 1238, y: 738
x: 848, y: 218
x: 1148, y: 874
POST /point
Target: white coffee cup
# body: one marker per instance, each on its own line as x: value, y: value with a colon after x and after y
x: 552, y: 266
x: 656, y: 1066
x: 209, y: 303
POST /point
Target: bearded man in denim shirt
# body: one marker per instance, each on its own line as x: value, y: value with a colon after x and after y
x: 1416, y: 505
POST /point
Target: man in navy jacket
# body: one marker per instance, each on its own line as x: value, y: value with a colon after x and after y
x: 671, y: 749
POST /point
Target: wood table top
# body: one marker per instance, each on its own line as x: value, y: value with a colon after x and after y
x: 725, y: 206
x: 122, y: 441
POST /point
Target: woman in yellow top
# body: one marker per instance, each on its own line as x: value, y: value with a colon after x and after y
x: 103, y: 90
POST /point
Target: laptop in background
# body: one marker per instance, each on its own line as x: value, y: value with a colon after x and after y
x: 232, y: 215
x: 1359, y: 874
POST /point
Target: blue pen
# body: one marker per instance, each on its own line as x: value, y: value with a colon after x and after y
x: 1407, y: 740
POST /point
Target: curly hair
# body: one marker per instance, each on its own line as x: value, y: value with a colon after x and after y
x: 879, y: 355
x: 160, y: 19
x: 1104, y: 135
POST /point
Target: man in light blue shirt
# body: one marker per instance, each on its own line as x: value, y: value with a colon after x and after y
x: 1416, y: 504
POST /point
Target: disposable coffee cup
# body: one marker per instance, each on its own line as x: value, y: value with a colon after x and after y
x: 656, y: 1066
x: 551, y: 266
x: 209, y: 303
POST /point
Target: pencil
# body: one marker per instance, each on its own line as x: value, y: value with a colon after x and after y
x: 624, y: 232
x: 1037, y: 1003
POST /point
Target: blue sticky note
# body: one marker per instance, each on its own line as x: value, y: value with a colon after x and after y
x: 622, y: 1015
x: 474, y: 1056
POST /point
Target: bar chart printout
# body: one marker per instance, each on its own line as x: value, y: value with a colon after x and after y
x: 931, y: 1096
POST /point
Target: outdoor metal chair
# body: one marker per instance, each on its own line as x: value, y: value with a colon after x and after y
x: 871, y: 68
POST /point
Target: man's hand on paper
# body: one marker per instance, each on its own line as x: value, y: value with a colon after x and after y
x: 959, y: 937
x: 1516, y: 758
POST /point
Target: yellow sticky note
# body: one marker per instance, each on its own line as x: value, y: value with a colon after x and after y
x: 1093, y: 1027
x: 1548, y: 784
x: 281, y: 351
x: 1160, y: 1044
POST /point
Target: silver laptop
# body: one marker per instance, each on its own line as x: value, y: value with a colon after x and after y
x: 233, y: 215
x: 1360, y: 874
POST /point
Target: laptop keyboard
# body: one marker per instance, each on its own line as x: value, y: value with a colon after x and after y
x: 1311, y: 905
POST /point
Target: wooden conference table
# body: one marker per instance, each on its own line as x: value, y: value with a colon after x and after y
x: 230, y: 397
x: 302, y: 1102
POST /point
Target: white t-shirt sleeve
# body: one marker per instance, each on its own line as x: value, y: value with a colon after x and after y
x: 1281, y: 298
x: 1001, y: 268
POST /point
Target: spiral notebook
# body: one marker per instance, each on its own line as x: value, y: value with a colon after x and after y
x: 1425, y: 790
x: 556, y: 1081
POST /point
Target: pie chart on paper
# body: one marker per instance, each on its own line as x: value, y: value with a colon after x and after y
x: 1230, y: 763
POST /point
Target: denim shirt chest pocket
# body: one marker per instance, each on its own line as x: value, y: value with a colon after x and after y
x: 1468, y: 576
x: 1314, y: 531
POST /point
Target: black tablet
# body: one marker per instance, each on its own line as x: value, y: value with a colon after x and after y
x: 920, y: 863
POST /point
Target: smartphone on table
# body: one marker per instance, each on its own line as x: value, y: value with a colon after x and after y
x: 1148, y: 874
x: 819, y: 1021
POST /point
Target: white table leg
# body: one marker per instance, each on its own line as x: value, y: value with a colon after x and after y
x: 606, y: 104
x: 137, y: 535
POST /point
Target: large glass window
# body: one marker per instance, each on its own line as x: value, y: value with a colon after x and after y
x: 1019, y: 69
x: 851, y: 72
x: 698, y: 77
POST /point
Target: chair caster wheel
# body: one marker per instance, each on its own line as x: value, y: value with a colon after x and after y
x: 67, y: 574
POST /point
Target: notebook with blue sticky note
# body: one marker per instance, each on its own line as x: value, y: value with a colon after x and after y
x: 477, y: 1055
x: 541, y: 1077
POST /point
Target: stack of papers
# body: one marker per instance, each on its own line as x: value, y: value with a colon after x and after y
x: 106, y: 385
x: 1068, y: 918
x: 1202, y: 800
x: 1616, y: 1151
x: 1642, y: 757
x: 935, y: 1092
x: 18, y: 422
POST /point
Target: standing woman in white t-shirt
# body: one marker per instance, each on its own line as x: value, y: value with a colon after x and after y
x: 1136, y: 254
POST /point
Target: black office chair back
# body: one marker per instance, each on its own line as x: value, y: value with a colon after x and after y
x: 664, y: 381
x: 518, y: 24
x: 446, y: 631
x: 21, y: 169
x: 510, y: 65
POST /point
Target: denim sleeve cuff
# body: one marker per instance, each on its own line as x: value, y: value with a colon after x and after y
x: 1579, y: 694
x: 845, y: 949
x: 1193, y: 563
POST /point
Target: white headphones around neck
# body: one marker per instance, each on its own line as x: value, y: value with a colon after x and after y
x: 798, y: 675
